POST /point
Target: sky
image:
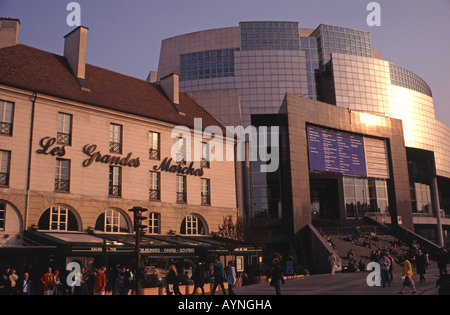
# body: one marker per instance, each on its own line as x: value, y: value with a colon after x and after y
x: 125, y: 35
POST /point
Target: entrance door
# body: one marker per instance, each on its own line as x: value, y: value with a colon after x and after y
x: 324, y: 199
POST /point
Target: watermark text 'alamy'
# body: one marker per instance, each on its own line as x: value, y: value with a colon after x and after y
x: 256, y: 143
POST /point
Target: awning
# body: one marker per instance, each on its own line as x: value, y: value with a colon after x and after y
x: 167, y: 246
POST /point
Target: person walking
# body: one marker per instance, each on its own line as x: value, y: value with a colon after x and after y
x: 219, y: 277
x: 332, y: 259
x: 277, y: 279
x: 173, y: 282
x: 407, y: 274
x: 421, y: 265
x: 385, y: 264
x: 49, y: 282
x: 199, y: 278
x: 231, y: 278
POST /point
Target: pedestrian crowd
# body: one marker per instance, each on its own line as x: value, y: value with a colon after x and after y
x: 86, y: 282
x: 414, y: 258
x: 216, y: 271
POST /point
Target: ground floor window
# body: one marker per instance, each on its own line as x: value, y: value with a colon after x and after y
x: 58, y: 218
x: 193, y: 225
x: 365, y: 195
x: 112, y: 221
x: 421, y: 199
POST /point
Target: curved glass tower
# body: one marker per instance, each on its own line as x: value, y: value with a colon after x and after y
x: 242, y: 74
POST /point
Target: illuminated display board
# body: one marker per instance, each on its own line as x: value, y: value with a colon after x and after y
x: 336, y: 152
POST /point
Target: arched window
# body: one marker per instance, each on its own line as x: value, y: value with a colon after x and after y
x: 112, y: 221
x: 58, y: 218
x: 193, y: 225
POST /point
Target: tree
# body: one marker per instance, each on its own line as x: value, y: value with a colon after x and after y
x: 253, y: 231
x: 256, y: 232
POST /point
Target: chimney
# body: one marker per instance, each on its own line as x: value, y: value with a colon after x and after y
x: 75, y: 51
x: 9, y: 31
x: 171, y: 86
x: 152, y: 77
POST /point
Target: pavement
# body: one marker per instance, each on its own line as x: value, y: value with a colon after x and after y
x: 346, y: 283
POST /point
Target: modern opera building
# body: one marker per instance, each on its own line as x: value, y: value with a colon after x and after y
x: 358, y: 134
x: 81, y: 145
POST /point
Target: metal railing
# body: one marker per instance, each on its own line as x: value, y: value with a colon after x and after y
x: 115, y: 147
x: 206, y: 200
x: 5, y: 128
x: 4, y: 179
x: 115, y: 190
x: 154, y: 194
x: 64, y: 138
x: 154, y: 154
x: 181, y: 197
x: 62, y: 184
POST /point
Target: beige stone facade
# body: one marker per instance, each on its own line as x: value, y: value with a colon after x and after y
x: 88, y: 196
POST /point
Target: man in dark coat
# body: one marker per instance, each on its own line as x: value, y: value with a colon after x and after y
x: 421, y: 265
x: 199, y: 278
x: 277, y: 276
x: 442, y: 261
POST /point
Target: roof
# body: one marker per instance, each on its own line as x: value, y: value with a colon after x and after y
x: 46, y: 73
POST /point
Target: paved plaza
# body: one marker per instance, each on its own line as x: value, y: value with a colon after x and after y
x: 345, y: 284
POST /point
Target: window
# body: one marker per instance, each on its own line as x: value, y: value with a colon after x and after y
x: 363, y: 195
x: 112, y: 221
x: 62, y: 175
x: 154, y: 223
x: 356, y: 196
x: 58, y: 218
x: 423, y: 199
x: 193, y: 225
x: 2, y: 215
x: 115, y: 138
x: 206, y: 192
x: 269, y: 35
x: 5, y: 161
x: 154, y: 146
x: 6, y: 118
x: 207, y: 64
x: 181, y: 189
x: 205, y: 155
x: 155, y: 186
x: 64, y: 135
x: 115, y: 181
x: 181, y: 153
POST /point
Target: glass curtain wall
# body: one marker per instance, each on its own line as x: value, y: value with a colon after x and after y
x: 364, y: 196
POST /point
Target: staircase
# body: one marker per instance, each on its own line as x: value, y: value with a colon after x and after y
x: 381, y: 238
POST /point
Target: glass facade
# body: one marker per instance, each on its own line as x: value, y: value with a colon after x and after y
x: 405, y: 78
x: 207, y: 64
x: 365, y: 195
x: 343, y: 40
x: 331, y: 64
x: 269, y: 36
x: 421, y: 199
x: 309, y: 46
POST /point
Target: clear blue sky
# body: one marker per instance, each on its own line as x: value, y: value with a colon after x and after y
x: 125, y: 35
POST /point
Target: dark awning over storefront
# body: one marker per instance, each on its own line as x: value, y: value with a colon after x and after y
x: 164, y: 246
